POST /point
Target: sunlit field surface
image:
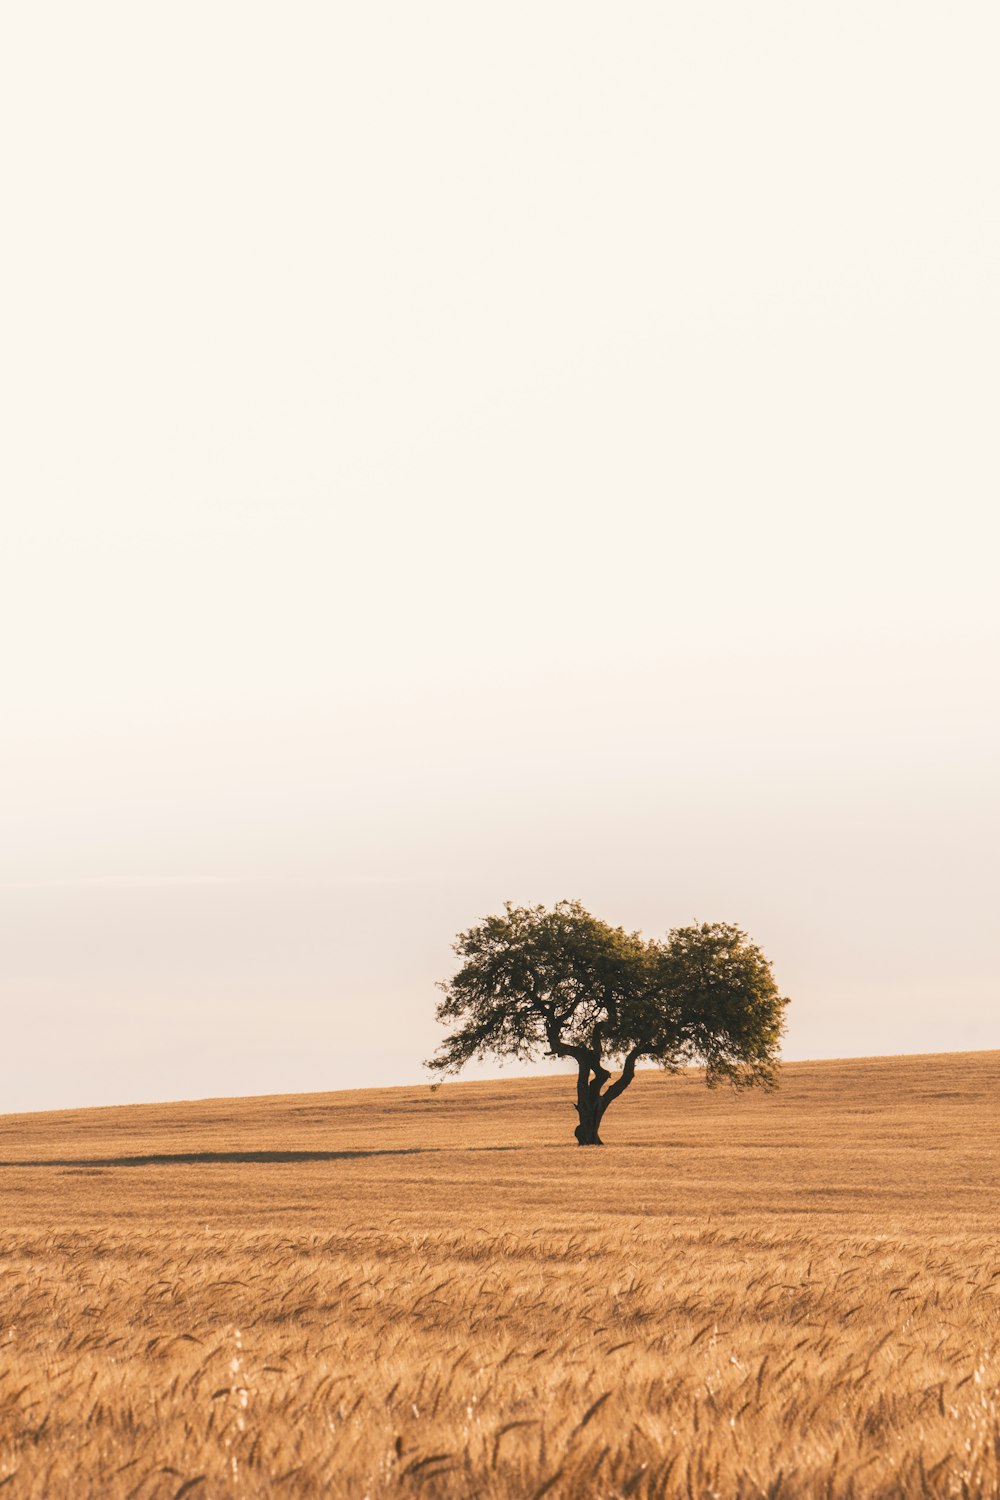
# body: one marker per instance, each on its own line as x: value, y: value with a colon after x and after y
x: 398, y: 1292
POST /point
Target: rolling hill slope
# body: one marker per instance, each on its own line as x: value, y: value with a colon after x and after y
x: 400, y: 1292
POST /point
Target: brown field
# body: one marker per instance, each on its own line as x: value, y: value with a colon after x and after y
x: 796, y: 1295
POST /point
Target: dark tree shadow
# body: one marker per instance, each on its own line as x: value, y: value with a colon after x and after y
x: 198, y: 1158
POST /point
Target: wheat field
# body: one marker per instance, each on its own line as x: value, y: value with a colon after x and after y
x: 400, y: 1292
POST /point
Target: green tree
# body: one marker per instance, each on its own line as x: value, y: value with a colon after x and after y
x: 563, y: 983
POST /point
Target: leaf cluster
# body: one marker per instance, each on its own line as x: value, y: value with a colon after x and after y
x: 562, y: 982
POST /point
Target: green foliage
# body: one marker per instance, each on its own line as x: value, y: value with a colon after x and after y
x: 561, y: 982
x: 722, y: 1001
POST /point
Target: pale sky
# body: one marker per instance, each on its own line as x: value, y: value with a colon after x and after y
x: 460, y: 452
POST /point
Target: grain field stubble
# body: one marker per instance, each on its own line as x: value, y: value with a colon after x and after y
x: 398, y: 1292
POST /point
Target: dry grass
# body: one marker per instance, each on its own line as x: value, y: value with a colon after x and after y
x: 794, y: 1296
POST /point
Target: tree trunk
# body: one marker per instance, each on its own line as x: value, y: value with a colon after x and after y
x: 589, y: 1105
x: 586, y: 1132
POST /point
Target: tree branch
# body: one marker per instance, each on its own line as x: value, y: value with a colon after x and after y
x: 622, y: 1082
x: 559, y: 1048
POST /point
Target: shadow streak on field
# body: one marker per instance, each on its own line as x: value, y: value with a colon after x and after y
x: 199, y: 1158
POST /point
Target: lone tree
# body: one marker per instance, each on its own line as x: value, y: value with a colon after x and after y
x: 564, y: 983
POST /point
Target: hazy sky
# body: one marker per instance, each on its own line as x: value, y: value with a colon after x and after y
x: 458, y: 452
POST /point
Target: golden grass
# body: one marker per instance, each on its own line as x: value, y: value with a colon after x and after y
x: 787, y: 1296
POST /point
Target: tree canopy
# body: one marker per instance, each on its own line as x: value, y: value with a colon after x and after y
x: 560, y: 982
